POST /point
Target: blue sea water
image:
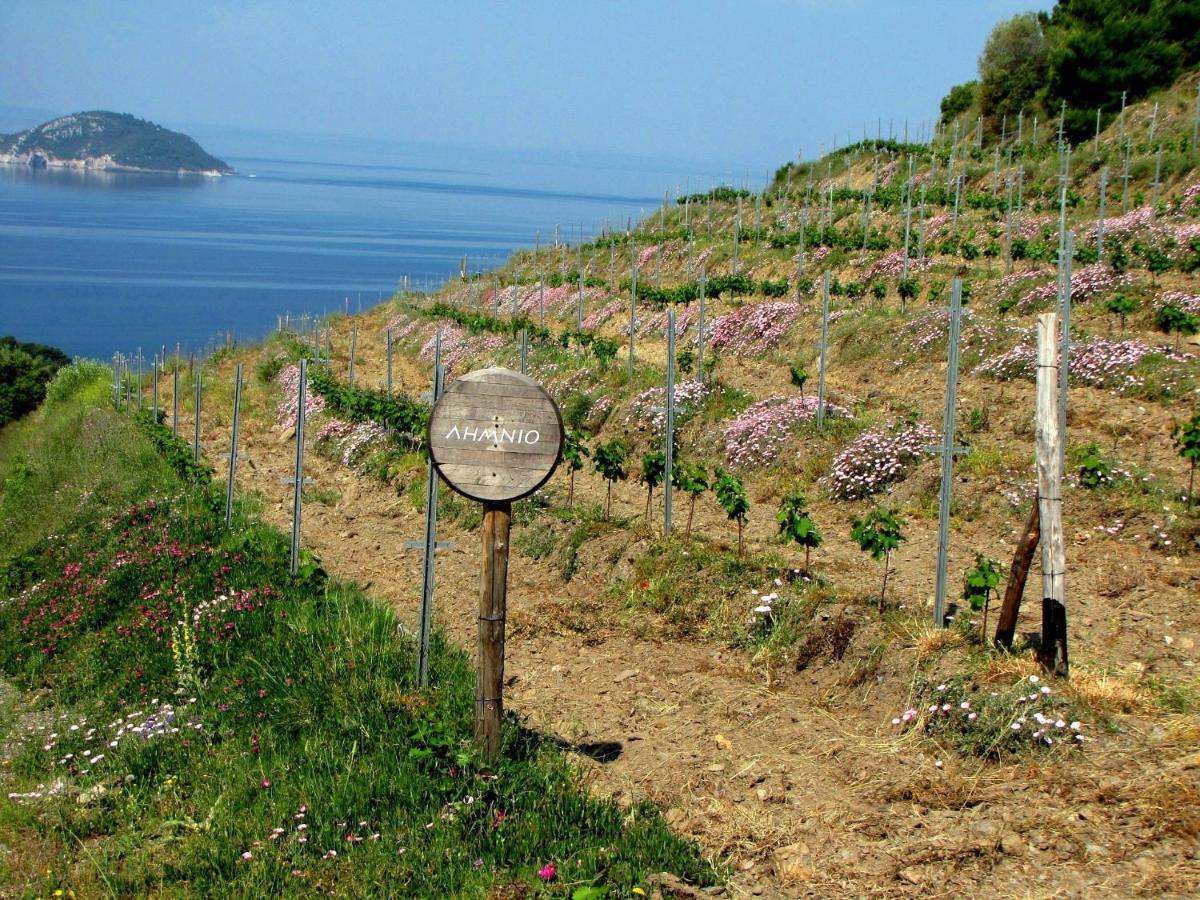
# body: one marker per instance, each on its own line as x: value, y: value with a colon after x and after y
x: 95, y: 263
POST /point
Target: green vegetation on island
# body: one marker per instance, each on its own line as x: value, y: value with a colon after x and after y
x: 120, y: 140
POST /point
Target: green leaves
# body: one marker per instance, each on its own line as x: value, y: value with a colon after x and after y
x: 610, y: 460
x: 1094, y: 470
x: 731, y: 494
x: 398, y: 412
x: 878, y: 533
x: 979, y: 582
x: 795, y: 523
x: 654, y: 467
x: 691, y: 478
x: 575, y: 450
x: 1187, y: 439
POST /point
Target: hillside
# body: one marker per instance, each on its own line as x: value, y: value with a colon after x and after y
x: 814, y: 734
x: 108, y: 141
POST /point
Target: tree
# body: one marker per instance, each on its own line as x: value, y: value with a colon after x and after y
x: 731, y: 494
x: 1012, y: 66
x: 574, y: 453
x: 1100, y: 48
x: 960, y: 98
x: 25, y: 370
x: 654, y: 466
x: 610, y: 463
x: 1121, y: 306
x: 978, y: 584
x: 795, y: 523
x: 1173, y: 318
x: 799, y: 376
x: 879, y: 533
x: 1187, y: 442
x: 693, y: 479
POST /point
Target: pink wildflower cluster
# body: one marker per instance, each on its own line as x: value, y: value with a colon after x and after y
x: 684, y: 317
x: 1133, y: 222
x: 648, y: 409
x: 351, y: 441
x: 285, y: 412
x: 892, y: 265
x: 819, y: 254
x: 877, y: 459
x: 1032, y: 228
x: 933, y: 329
x: 758, y: 435
x: 459, y: 345
x: 703, y: 257
x: 403, y: 325
x: 754, y: 328
x: 1014, y: 278
x: 1096, y: 361
x: 1087, y: 282
x: 1189, y: 303
x: 938, y: 222
x: 598, y: 317
x: 1191, y: 196
x: 646, y: 255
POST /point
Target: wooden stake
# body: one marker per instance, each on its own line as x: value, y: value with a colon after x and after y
x: 1018, y: 573
x: 1053, y: 652
x: 489, y: 679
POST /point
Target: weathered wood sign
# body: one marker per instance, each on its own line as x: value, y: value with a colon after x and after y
x: 494, y: 436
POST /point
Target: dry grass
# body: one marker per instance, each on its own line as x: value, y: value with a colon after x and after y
x: 1108, y: 693
x: 1009, y: 669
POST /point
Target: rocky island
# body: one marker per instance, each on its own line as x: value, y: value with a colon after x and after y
x: 111, y: 142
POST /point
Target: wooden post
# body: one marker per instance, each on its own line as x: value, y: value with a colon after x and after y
x: 425, y: 626
x: 1018, y: 573
x: 1053, y: 651
x: 489, y: 679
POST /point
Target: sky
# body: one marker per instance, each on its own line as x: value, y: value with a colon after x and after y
x: 752, y: 83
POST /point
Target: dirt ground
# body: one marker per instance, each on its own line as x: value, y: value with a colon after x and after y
x: 796, y: 779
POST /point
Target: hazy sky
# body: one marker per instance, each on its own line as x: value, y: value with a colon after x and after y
x: 746, y: 82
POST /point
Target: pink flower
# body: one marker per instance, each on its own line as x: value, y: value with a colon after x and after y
x: 547, y: 872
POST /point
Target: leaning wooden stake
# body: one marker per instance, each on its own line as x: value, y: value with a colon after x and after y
x: 489, y: 680
x: 1053, y: 652
x: 1006, y: 624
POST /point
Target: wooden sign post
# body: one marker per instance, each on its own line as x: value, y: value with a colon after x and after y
x: 494, y: 436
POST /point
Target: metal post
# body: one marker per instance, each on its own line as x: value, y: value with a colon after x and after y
x: 524, y: 351
x: 948, y: 450
x: 1125, y: 179
x: 1196, y: 121
x: 700, y: 335
x: 1008, y: 260
x: 579, y: 304
x: 907, y: 227
x: 388, y: 341
x: 298, y: 483
x: 196, y: 435
x: 1100, y: 218
x: 632, y: 310
x: 542, y: 299
x: 669, y: 449
x: 353, y: 353
x: 175, y: 400
x: 431, y: 492
x: 824, y: 347
x: 233, y: 444
x: 154, y: 375
x: 1064, y: 359
x: 1157, y: 183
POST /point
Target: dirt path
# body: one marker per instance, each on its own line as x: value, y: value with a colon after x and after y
x: 799, y: 782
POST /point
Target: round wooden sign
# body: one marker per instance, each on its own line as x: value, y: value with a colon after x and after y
x: 495, y: 435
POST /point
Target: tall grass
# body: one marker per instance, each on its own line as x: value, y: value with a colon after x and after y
x: 194, y: 721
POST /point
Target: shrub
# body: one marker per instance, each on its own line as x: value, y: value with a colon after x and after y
x: 610, y: 461
x: 879, y: 533
x: 731, y: 494
x: 795, y: 523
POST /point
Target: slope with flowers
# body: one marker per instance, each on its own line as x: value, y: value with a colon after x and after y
x: 817, y: 742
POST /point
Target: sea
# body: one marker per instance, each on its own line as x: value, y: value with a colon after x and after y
x: 96, y: 263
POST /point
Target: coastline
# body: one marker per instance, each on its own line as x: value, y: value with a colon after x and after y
x: 36, y: 160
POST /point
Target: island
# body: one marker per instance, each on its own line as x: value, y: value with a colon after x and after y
x: 111, y: 142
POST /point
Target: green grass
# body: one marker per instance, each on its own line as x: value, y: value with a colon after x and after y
x: 294, y: 699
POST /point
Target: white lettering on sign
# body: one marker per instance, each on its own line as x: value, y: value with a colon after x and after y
x: 526, y: 436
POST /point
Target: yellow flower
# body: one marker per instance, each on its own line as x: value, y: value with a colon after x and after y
x: 639, y: 892
x: 58, y: 893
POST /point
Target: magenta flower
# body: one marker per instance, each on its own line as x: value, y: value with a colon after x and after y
x: 547, y: 872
